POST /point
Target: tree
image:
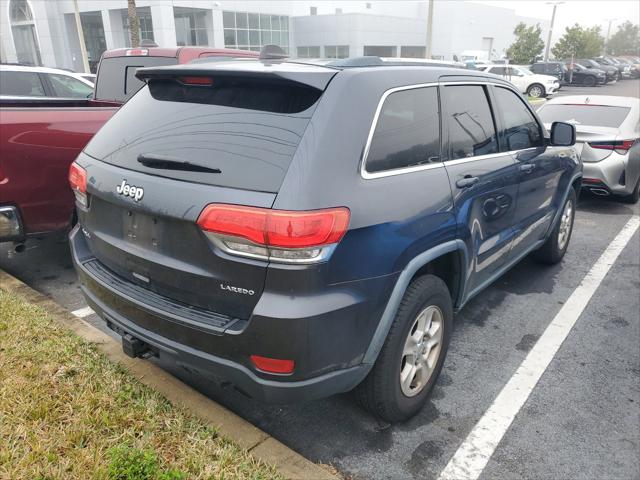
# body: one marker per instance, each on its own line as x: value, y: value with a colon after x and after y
x: 134, y: 23
x: 528, y: 44
x: 626, y: 41
x: 579, y: 42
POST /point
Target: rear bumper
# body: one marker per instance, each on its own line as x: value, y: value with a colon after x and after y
x: 223, y: 355
x: 611, y: 175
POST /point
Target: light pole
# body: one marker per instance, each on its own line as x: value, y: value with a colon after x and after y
x: 553, y: 19
x: 606, y: 43
x: 428, y: 50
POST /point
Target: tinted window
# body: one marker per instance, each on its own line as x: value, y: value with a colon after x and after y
x: 241, y: 127
x: 468, y: 116
x: 22, y: 84
x: 116, y: 79
x: 498, y: 70
x: 407, y: 132
x: 599, y: 115
x: 521, y: 130
x: 69, y: 87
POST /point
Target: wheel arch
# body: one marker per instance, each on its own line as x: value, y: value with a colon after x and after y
x: 437, y: 261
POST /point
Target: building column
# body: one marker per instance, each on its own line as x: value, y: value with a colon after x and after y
x: 217, y: 40
x: 108, y: 30
x: 164, y: 25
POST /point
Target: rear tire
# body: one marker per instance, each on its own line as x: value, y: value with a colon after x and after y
x: 552, y: 251
x: 589, y: 81
x: 634, y: 196
x: 383, y: 392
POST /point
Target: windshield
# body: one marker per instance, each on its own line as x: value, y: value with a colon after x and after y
x: 594, y: 115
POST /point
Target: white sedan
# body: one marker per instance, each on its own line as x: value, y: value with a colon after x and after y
x: 525, y: 80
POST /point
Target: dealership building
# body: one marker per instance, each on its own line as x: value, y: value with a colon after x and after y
x: 44, y: 32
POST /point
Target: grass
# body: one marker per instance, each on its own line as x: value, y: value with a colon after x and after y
x: 67, y: 412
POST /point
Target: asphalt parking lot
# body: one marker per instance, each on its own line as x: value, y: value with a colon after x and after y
x: 582, y: 419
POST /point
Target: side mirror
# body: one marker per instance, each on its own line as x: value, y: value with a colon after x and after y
x: 562, y: 134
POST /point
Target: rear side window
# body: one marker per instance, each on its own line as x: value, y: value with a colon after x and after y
x: 238, y: 133
x: 599, y: 115
x: 469, y: 121
x: 69, y: 87
x: 407, y: 132
x: 116, y: 78
x: 21, y: 84
x: 520, y: 129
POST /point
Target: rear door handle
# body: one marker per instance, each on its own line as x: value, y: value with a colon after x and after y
x: 527, y: 167
x: 467, y: 181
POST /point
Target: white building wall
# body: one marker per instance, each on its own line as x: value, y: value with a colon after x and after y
x: 458, y: 25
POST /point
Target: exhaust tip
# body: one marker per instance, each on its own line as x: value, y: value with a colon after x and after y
x: 599, y: 191
x: 19, y: 247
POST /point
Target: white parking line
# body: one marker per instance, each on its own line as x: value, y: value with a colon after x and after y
x: 472, y: 456
x: 83, y: 312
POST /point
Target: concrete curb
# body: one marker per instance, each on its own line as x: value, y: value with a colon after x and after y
x: 261, y: 445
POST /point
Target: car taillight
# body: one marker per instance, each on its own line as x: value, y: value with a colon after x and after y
x: 272, y: 365
x: 132, y: 52
x: 619, y: 146
x: 78, y: 183
x: 280, y: 235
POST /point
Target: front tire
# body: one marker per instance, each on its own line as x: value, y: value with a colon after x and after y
x: 552, y: 251
x: 536, y: 91
x: 412, y: 356
x: 589, y: 81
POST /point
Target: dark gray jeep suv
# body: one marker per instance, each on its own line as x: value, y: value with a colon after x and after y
x: 301, y: 230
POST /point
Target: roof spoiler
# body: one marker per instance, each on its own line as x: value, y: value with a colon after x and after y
x: 272, y: 52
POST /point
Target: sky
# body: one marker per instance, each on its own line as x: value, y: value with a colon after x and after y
x: 585, y: 12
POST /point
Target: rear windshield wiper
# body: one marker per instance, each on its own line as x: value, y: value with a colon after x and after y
x: 169, y: 163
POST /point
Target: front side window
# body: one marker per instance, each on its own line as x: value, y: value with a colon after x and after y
x: 21, y: 84
x: 520, y: 129
x: 69, y: 87
x: 407, y: 132
x: 498, y: 70
x: 469, y: 120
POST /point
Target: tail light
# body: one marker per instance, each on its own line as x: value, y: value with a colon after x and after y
x: 198, y: 81
x: 619, y: 146
x: 272, y: 365
x: 277, y: 235
x: 78, y: 182
x: 134, y: 52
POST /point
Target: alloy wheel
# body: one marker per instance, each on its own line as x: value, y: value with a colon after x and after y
x: 566, y: 222
x: 421, y: 350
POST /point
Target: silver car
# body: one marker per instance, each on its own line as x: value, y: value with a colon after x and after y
x: 608, y: 132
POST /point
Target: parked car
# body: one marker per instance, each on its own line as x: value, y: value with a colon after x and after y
x: 17, y: 81
x: 40, y: 137
x: 228, y: 222
x: 576, y: 74
x: 553, y: 69
x: 612, y: 73
x: 624, y: 70
x: 532, y: 84
x: 608, y: 133
x: 634, y: 66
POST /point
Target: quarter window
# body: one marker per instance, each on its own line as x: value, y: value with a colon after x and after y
x: 471, y: 128
x: 407, y: 132
x: 520, y: 129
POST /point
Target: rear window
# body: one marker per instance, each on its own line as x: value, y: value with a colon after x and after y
x: 596, y: 115
x: 238, y: 133
x: 116, y: 78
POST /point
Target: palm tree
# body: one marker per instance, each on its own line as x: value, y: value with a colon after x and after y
x: 134, y: 23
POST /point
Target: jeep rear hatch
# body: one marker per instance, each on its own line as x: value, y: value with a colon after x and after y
x: 189, y: 139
